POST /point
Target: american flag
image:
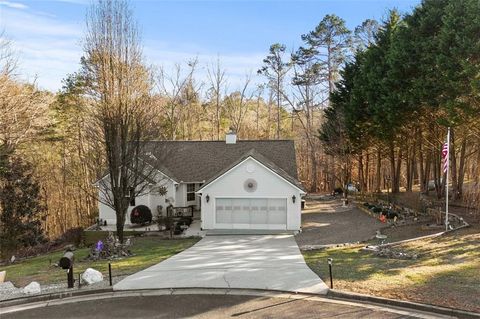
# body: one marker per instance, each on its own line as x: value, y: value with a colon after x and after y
x: 445, y: 151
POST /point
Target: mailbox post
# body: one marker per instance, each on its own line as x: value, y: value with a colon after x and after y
x: 66, y: 262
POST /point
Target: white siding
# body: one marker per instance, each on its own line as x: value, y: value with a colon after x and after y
x: 181, y: 196
x: 151, y: 200
x: 269, y: 185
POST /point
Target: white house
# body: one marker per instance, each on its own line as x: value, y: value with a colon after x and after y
x: 234, y: 184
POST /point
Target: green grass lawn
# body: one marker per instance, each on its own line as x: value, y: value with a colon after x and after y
x: 447, y: 272
x: 147, y: 252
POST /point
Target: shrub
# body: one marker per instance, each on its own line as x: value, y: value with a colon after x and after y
x: 185, y: 221
x: 73, y: 236
x: 338, y: 191
x: 141, y: 215
x: 165, y: 221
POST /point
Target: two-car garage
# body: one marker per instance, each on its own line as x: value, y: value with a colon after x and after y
x: 251, y: 213
x: 251, y: 195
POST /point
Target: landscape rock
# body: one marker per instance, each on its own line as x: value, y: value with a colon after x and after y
x: 6, y: 287
x: 91, y: 276
x: 32, y: 288
x: 390, y: 253
x: 3, y: 274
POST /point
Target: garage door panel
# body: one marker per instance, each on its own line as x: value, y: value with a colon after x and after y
x: 259, y: 211
x: 241, y: 211
x: 251, y: 213
x: 223, y: 214
x: 277, y: 211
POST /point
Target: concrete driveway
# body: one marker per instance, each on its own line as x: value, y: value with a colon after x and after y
x: 271, y: 262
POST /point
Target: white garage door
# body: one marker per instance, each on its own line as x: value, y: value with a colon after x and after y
x: 251, y: 213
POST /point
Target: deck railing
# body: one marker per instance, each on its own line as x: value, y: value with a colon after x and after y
x: 180, y: 211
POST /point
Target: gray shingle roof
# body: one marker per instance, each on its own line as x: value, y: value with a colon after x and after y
x: 199, y: 161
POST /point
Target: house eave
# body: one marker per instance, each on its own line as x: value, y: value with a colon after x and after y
x: 302, y: 192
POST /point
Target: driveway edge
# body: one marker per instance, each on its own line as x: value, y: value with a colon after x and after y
x: 343, y: 295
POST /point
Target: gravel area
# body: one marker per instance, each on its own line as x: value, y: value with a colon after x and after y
x: 327, y: 222
x: 16, y: 292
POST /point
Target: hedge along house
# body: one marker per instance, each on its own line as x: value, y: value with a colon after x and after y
x: 230, y: 184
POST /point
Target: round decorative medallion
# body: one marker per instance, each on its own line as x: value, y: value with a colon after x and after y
x: 250, y: 185
x: 250, y: 168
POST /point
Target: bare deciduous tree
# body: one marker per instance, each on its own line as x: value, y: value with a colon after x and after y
x: 217, y: 81
x: 236, y: 105
x: 176, y: 92
x: 8, y: 58
x: 120, y: 88
x: 22, y: 106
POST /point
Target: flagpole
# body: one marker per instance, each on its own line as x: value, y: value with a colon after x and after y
x: 446, y: 183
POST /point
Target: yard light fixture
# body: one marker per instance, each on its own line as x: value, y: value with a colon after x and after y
x: 330, y: 262
x: 294, y: 198
x: 207, y: 198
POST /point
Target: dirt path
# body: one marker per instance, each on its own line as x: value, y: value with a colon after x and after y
x: 327, y: 222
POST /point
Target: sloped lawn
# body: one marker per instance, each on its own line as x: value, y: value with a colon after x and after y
x: 446, y: 273
x: 148, y: 251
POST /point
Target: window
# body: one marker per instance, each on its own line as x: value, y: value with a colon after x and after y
x: 132, y: 197
x: 190, y: 192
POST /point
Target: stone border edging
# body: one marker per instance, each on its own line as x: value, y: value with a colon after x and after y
x: 326, y: 246
x: 51, y: 296
x: 338, y: 294
x: 421, y: 237
x: 368, y: 212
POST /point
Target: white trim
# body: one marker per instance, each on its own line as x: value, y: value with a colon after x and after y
x: 302, y: 192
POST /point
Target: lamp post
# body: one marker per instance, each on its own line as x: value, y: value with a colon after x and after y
x: 330, y: 262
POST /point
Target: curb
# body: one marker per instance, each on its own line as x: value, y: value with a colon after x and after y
x: 343, y: 295
x: 51, y: 296
x: 331, y: 294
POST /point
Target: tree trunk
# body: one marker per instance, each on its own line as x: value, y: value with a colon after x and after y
x: 453, y: 163
x: 410, y: 163
x: 313, y: 162
x: 395, y: 165
x: 458, y: 192
x: 120, y: 225
x: 421, y: 168
x: 379, y: 165
x: 396, y: 188
x: 367, y: 173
